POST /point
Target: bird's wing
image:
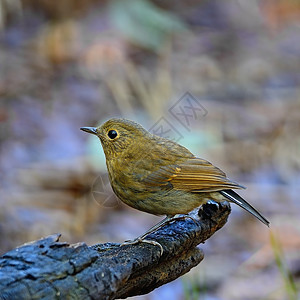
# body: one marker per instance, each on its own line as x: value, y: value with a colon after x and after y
x: 192, y: 175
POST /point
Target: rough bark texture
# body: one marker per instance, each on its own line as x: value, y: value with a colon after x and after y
x: 49, y: 269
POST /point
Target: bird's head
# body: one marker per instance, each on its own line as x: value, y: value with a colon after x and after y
x: 117, y: 135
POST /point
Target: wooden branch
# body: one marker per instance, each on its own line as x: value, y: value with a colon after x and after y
x: 49, y: 269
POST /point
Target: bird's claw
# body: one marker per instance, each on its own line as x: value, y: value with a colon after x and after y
x: 183, y: 217
x: 139, y: 240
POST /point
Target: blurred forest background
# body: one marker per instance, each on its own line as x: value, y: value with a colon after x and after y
x: 68, y: 64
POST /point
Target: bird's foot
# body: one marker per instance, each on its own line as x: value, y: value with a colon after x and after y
x: 141, y: 240
x: 183, y: 217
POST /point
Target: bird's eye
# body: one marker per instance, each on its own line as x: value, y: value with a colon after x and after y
x: 112, y: 134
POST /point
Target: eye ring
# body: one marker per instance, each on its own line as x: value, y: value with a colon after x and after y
x: 112, y: 134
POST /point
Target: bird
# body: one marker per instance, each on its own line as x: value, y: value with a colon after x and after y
x: 159, y: 176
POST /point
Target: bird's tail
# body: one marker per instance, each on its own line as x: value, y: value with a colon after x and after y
x: 237, y: 199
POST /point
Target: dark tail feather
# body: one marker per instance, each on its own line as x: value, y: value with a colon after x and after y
x: 235, y: 198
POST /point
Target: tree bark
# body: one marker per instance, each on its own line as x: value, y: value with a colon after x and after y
x: 49, y: 269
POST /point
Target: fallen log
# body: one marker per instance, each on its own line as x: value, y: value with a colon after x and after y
x: 49, y: 269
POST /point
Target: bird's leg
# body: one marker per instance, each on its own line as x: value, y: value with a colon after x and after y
x: 141, y: 238
x: 166, y: 220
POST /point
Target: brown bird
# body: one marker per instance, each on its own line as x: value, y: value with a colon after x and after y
x: 159, y: 176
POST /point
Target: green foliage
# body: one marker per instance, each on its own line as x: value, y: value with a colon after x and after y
x: 143, y: 23
x: 192, y: 289
x: 286, y: 275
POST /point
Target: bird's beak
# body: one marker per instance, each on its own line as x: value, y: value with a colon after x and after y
x: 92, y: 130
